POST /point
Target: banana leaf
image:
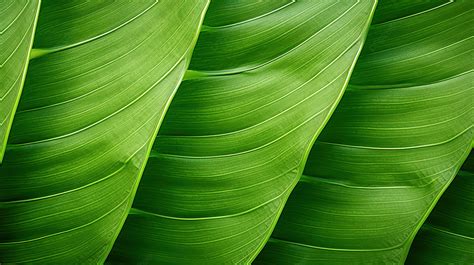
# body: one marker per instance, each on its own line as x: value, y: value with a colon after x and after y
x: 263, y: 81
x: 102, y: 76
x: 447, y: 237
x: 17, y: 29
x: 393, y: 145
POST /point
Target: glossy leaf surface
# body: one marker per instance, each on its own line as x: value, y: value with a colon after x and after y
x: 393, y: 145
x: 102, y: 76
x: 264, y: 79
x: 447, y: 237
x: 17, y: 27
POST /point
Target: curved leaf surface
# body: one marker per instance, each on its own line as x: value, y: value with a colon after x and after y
x: 393, y: 145
x: 447, y: 237
x: 17, y: 28
x: 234, y: 143
x: 103, y: 75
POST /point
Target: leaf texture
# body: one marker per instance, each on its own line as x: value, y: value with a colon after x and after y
x: 17, y: 28
x: 102, y: 77
x: 393, y: 145
x: 262, y: 84
x: 447, y: 237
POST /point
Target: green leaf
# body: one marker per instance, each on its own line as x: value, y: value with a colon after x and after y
x: 17, y: 28
x: 264, y: 81
x: 102, y: 78
x: 393, y: 145
x: 447, y: 237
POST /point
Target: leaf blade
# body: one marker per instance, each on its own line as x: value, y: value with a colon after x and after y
x: 16, y: 38
x: 92, y: 106
x: 446, y: 237
x: 232, y: 144
x: 395, y: 142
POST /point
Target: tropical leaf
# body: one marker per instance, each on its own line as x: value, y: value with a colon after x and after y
x: 264, y: 79
x: 393, y: 145
x: 17, y: 28
x: 102, y: 76
x: 447, y: 237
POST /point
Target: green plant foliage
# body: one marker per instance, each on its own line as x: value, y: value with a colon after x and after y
x: 236, y: 132
x: 234, y: 142
x: 447, y: 237
x: 103, y: 75
x: 17, y: 27
x: 393, y: 145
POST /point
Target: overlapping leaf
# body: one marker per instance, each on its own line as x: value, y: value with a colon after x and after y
x: 447, y: 237
x: 394, y: 144
x: 103, y: 75
x: 17, y: 27
x: 264, y: 79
